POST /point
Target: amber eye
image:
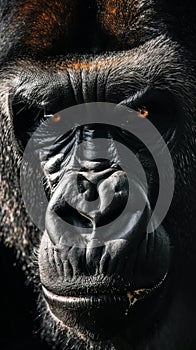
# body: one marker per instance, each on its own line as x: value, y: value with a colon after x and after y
x: 56, y: 118
x: 143, y: 112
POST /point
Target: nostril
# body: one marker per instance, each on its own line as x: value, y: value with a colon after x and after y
x: 91, y: 193
x: 88, y: 188
x: 81, y: 182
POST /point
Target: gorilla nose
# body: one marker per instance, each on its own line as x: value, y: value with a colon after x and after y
x: 85, y: 200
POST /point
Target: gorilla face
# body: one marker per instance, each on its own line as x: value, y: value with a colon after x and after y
x: 134, y: 291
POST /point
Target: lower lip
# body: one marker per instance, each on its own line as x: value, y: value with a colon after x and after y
x: 85, y: 301
x: 95, y: 301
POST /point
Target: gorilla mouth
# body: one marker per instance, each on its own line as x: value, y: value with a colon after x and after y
x: 84, y: 313
x: 93, y: 301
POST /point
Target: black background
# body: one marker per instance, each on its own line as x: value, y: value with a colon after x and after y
x: 18, y: 316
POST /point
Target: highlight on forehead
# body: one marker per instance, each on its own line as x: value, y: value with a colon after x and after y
x: 91, y: 64
x: 120, y: 17
x: 118, y: 7
x: 45, y: 21
x: 117, y: 15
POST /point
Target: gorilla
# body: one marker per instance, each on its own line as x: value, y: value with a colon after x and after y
x: 136, y: 291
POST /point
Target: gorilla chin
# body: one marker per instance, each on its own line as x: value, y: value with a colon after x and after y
x: 97, y: 307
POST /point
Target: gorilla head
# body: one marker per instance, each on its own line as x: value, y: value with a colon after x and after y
x: 130, y: 289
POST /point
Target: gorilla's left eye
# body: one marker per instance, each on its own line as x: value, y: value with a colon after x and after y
x: 143, y: 112
x: 157, y: 105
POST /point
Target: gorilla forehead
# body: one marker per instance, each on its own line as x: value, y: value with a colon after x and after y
x: 97, y: 25
x: 90, y: 22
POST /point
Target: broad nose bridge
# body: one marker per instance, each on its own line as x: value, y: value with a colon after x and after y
x: 96, y: 148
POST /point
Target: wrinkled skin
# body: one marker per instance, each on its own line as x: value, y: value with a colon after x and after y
x: 62, y: 53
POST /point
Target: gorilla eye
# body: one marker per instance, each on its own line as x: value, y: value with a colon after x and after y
x: 158, y: 105
x: 143, y: 112
x: 56, y: 118
x: 26, y: 118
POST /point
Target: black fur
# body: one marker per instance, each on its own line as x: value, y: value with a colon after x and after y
x: 38, y: 39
